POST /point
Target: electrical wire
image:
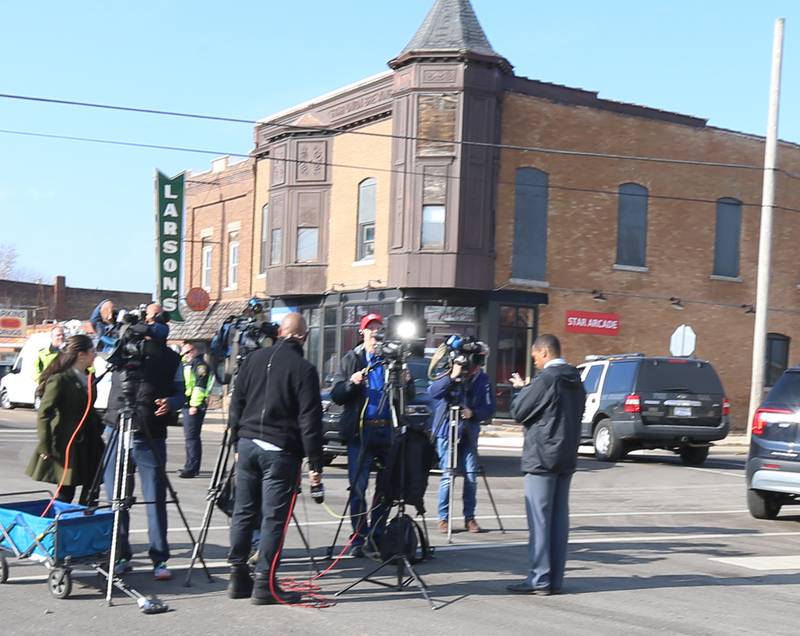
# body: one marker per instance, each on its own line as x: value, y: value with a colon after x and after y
x: 69, y: 445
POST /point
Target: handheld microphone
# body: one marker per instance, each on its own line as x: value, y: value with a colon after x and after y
x: 318, y: 493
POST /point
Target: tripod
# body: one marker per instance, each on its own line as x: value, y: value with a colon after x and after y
x: 121, y: 498
x: 215, y: 488
x: 453, y: 427
x: 400, y: 557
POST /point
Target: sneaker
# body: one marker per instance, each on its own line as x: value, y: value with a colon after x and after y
x: 356, y: 551
x: 161, y: 572
x: 122, y: 566
x: 186, y: 474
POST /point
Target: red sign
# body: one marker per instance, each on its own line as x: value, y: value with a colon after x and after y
x: 197, y: 299
x: 591, y: 322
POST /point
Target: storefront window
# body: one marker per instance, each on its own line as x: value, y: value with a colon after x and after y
x: 514, y: 341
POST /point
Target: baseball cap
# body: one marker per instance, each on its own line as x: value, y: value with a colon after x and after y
x: 368, y: 319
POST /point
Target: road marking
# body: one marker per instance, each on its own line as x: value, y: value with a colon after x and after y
x: 719, y: 472
x: 762, y: 564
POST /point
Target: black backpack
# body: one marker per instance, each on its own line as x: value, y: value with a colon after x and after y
x: 404, y: 537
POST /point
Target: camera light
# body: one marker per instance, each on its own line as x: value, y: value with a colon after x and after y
x: 407, y: 330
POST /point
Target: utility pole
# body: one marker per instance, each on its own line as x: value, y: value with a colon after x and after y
x: 765, y: 237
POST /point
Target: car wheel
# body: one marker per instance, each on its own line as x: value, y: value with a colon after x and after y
x: 693, y: 455
x: 5, y: 402
x: 762, y: 505
x: 607, y: 447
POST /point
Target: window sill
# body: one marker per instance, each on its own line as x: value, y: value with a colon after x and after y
x: 364, y: 262
x: 630, y: 268
x: 524, y: 282
x: 264, y: 275
x: 227, y: 289
x: 726, y: 279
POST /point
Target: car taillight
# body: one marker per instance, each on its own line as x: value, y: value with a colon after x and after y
x: 633, y: 404
x: 763, y: 416
x: 726, y: 406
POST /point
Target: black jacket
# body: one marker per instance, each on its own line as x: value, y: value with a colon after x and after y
x: 551, y: 408
x: 276, y: 400
x: 354, y: 396
x: 157, y: 380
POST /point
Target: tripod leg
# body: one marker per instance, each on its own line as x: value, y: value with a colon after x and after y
x: 305, y: 543
x: 420, y: 583
x: 489, y: 492
x: 122, y: 437
x: 342, y: 517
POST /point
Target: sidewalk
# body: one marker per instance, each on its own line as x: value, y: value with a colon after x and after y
x: 504, y: 434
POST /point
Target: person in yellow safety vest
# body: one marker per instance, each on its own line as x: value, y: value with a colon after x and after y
x: 199, y: 381
x: 49, y: 353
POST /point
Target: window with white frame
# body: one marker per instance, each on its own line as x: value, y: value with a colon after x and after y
x: 233, y: 260
x: 366, y: 220
x: 207, y: 256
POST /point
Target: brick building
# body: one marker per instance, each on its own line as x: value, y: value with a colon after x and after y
x: 421, y: 191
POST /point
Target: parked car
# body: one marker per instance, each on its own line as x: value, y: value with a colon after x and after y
x: 18, y: 388
x: 418, y: 410
x: 635, y: 401
x: 773, y: 462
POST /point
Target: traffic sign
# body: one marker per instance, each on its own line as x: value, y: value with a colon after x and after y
x: 683, y: 341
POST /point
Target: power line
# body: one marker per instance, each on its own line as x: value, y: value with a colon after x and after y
x: 344, y: 130
x: 366, y: 168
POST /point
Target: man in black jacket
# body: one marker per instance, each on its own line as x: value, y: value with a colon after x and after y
x: 550, y: 408
x: 275, y: 420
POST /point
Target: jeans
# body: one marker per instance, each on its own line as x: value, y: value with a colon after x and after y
x: 149, y: 462
x: 468, y: 464
x: 265, y: 481
x: 366, y: 453
x: 192, y: 424
x: 547, y: 507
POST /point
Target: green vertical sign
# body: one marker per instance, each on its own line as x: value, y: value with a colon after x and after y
x: 169, y: 235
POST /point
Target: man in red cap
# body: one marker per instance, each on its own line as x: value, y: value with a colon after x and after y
x: 366, y: 426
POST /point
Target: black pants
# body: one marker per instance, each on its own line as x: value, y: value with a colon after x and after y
x: 265, y: 481
x: 67, y: 494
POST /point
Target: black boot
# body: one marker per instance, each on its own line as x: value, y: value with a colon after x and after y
x: 241, y: 583
x: 263, y: 596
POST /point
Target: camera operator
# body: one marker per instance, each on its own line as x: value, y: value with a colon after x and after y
x: 275, y: 419
x: 471, y: 389
x: 102, y: 320
x: 159, y: 397
x: 199, y: 381
x: 366, y: 426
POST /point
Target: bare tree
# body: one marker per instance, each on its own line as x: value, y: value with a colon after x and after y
x: 9, y: 269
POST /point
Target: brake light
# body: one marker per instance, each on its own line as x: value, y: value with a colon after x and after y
x: 633, y: 404
x: 677, y: 361
x: 726, y: 406
x: 763, y: 416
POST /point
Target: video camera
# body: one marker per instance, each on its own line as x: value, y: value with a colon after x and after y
x: 237, y: 337
x: 465, y: 351
x: 400, y: 339
x: 130, y: 340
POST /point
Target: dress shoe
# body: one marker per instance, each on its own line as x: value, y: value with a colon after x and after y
x: 470, y: 525
x: 185, y: 474
x: 442, y: 526
x: 240, y: 584
x: 521, y: 588
x: 262, y: 595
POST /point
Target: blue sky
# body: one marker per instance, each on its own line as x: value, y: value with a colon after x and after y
x: 86, y: 211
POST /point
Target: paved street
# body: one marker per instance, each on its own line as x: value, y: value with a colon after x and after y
x: 655, y: 547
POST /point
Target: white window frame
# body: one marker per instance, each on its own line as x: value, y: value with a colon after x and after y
x: 207, y: 266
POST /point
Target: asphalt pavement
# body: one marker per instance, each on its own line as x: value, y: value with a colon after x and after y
x: 655, y: 546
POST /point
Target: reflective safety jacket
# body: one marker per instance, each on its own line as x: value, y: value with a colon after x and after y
x: 43, y: 360
x: 198, y: 380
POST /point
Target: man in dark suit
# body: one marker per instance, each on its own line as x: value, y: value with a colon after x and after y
x: 550, y: 409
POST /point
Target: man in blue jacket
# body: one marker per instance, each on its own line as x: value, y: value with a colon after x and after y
x: 472, y: 391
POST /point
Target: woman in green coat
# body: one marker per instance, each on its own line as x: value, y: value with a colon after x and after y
x: 64, y: 389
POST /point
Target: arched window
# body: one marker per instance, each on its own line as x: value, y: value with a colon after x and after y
x: 530, y: 225
x: 632, y: 225
x: 365, y: 237
x: 727, y: 237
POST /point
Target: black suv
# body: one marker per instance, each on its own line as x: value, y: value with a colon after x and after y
x: 635, y: 401
x: 773, y: 464
x: 418, y: 410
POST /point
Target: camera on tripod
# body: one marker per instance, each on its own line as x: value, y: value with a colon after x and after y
x: 400, y: 339
x: 131, y: 340
x: 239, y: 336
x: 465, y: 351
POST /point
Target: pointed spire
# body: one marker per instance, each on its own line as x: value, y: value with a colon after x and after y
x: 450, y: 28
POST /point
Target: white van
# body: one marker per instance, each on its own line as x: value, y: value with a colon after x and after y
x: 18, y: 388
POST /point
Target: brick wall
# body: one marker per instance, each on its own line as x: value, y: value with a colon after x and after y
x: 680, y: 241
x: 217, y: 203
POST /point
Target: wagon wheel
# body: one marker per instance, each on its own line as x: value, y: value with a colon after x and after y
x: 60, y: 583
x: 3, y: 569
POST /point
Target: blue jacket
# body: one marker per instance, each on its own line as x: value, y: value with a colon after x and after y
x: 477, y: 395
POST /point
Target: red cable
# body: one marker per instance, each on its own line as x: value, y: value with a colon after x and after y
x: 69, y: 444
